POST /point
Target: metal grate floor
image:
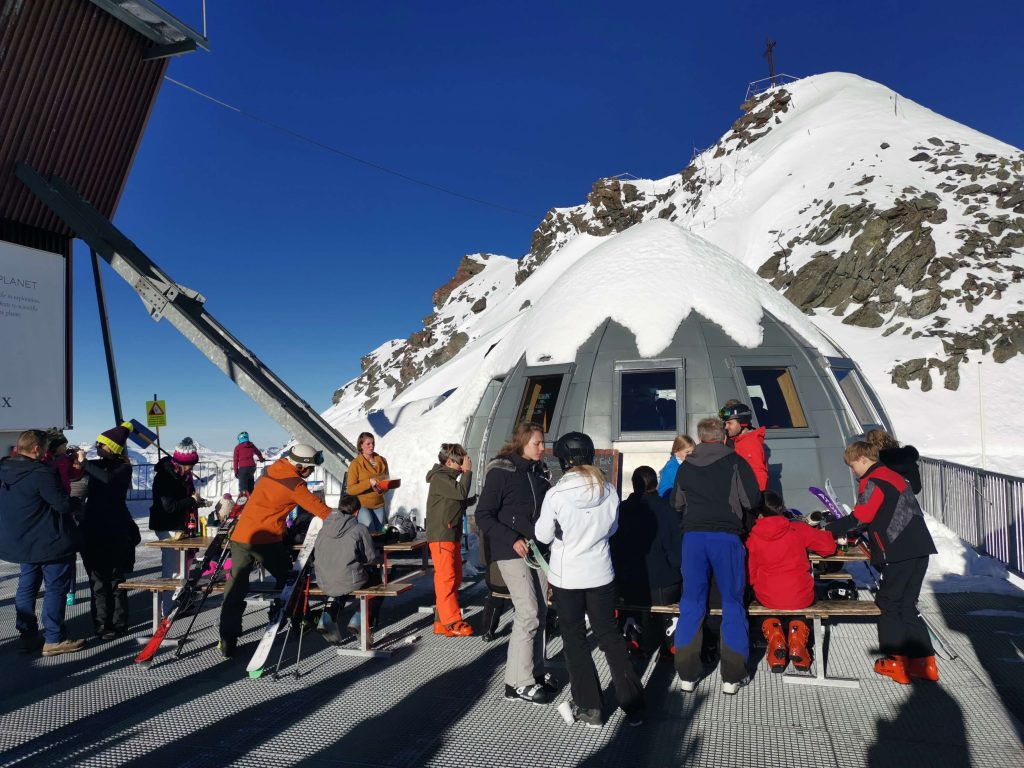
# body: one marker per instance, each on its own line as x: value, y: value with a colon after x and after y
x: 438, y: 702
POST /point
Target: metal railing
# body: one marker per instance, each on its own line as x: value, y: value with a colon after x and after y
x: 214, y: 479
x: 767, y: 83
x: 986, y: 509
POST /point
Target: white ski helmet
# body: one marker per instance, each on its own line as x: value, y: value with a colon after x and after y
x: 302, y: 455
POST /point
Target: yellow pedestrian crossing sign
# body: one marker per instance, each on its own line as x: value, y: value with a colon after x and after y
x: 156, y: 413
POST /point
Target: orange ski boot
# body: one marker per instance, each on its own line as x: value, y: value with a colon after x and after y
x: 894, y: 667
x: 923, y: 667
x: 458, y: 629
x: 776, y: 653
x: 799, y: 634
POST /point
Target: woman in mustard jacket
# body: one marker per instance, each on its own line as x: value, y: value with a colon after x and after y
x: 364, y: 476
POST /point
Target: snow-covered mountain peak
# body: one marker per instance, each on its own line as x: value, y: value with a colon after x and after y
x: 891, y: 225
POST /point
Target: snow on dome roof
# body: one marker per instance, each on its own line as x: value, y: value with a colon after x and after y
x: 649, y: 278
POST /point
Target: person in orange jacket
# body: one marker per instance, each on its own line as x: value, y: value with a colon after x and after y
x: 447, y: 498
x: 364, y: 476
x: 744, y: 439
x: 258, y: 536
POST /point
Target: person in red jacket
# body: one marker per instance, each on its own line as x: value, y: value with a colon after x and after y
x: 780, y: 574
x: 744, y: 439
x: 900, y: 546
x: 244, y: 463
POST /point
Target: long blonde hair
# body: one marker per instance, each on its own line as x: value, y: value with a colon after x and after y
x: 593, y: 475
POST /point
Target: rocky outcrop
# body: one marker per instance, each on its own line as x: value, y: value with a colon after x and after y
x: 612, y: 206
x: 897, y: 259
x: 466, y: 269
x: 397, y: 364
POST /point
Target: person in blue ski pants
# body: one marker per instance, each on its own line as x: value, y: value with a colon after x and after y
x: 715, y: 494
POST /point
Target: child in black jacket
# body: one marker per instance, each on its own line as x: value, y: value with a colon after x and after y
x: 900, y: 546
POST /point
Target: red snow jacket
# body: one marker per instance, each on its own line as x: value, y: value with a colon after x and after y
x: 777, y: 563
x: 750, y: 445
x: 245, y: 456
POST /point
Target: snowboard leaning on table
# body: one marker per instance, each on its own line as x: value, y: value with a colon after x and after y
x: 259, y: 658
x: 185, y: 594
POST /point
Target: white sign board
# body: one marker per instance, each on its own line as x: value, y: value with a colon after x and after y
x: 32, y: 339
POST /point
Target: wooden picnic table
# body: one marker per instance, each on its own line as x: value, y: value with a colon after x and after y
x: 855, y: 554
x: 156, y: 585
x: 195, y: 543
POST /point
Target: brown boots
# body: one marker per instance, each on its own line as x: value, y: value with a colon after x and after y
x: 776, y: 654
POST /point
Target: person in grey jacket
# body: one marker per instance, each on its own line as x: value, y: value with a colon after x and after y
x: 344, y: 552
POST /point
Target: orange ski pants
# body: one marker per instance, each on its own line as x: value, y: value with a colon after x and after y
x: 447, y: 558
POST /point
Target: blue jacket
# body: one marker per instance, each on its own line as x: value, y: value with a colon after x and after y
x: 667, y: 481
x: 35, y: 519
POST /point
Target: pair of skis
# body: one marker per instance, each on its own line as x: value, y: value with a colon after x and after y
x: 300, y: 575
x: 185, y: 595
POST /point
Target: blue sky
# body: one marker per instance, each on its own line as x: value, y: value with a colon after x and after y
x: 312, y: 260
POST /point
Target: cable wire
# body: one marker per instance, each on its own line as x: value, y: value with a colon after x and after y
x: 334, y: 150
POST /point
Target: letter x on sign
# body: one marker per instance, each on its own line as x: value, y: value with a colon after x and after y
x: 7, y: 402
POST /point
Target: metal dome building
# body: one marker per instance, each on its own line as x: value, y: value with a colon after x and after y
x: 807, y: 393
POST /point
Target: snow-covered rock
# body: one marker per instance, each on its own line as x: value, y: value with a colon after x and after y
x: 901, y: 232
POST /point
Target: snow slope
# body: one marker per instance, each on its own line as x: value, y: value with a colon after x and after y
x: 897, y: 232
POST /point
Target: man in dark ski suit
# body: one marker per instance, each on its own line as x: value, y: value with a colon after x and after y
x: 714, y: 493
x: 38, y: 533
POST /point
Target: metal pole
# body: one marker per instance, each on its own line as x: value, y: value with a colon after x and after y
x: 157, y: 434
x: 108, y: 349
x: 981, y: 415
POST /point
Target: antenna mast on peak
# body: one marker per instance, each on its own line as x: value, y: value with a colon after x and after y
x: 768, y: 54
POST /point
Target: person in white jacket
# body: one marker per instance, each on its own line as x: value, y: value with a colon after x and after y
x: 577, y: 518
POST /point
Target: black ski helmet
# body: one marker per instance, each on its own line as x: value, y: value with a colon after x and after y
x: 740, y: 411
x: 574, y: 449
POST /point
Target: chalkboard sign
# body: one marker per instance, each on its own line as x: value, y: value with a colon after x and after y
x: 607, y: 460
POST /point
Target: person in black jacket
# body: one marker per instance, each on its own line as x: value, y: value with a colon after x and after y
x: 716, y: 492
x: 514, y: 486
x: 646, y: 555
x: 175, y: 504
x: 39, y: 534
x: 109, y: 534
x: 901, y: 459
x: 900, y: 546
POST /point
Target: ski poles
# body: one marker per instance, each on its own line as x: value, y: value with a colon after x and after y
x: 301, y: 618
x: 302, y: 627
x: 224, y: 554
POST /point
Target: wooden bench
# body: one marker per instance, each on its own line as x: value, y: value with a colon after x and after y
x: 820, y: 612
x: 393, y: 589
x: 158, y: 585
